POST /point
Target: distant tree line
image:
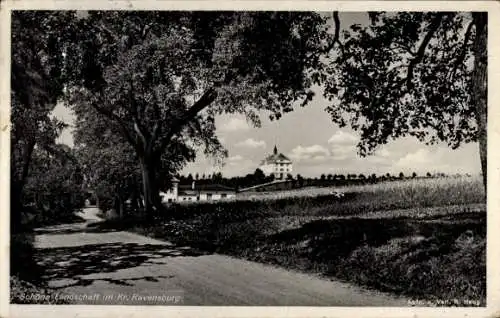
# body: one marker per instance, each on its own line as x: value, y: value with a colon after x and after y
x: 249, y: 180
x: 297, y: 181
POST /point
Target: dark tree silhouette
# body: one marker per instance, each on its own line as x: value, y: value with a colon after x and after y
x: 259, y: 176
x: 300, y: 180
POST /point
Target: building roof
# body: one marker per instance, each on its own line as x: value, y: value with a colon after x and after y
x: 185, y: 188
x: 275, y: 157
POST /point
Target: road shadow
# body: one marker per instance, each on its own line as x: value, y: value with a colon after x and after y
x: 92, y: 227
x: 69, y: 264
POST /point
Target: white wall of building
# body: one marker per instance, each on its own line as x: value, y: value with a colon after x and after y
x: 268, y: 168
x: 200, y: 196
x: 277, y: 168
x: 187, y: 198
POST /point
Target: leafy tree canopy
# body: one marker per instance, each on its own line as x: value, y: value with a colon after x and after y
x: 405, y: 74
x: 160, y: 78
x: 145, y: 70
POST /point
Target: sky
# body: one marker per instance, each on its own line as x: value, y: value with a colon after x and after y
x: 316, y: 145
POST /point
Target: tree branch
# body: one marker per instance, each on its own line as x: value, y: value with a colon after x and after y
x: 463, y: 50
x: 27, y: 157
x: 154, y: 135
x: 403, y: 47
x: 336, y: 35
x: 138, y: 127
x: 145, y: 30
x: 205, y: 100
x: 157, y: 126
x: 421, y: 50
x: 140, y: 134
x: 108, y: 32
x: 123, y: 127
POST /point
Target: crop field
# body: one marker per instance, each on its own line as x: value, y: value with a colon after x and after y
x: 406, y: 188
x: 395, y: 237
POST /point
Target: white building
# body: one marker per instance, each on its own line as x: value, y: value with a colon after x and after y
x: 193, y: 193
x: 276, y: 164
x: 171, y: 194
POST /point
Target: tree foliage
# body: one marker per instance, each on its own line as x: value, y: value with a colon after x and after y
x: 406, y: 74
x: 54, y: 183
x: 36, y: 85
x: 160, y: 78
x: 412, y: 74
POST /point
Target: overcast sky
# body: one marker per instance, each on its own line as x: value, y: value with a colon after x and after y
x: 316, y: 145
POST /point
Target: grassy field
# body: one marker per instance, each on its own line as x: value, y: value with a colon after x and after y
x: 407, y: 189
x: 423, y: 238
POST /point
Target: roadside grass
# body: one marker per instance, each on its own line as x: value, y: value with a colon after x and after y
x: 424, y: 239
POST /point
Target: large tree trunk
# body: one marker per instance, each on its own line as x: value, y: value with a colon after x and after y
x: 135, y: 199
x: 152, y: 202
x: 18, y: 180
x: 480, y: 86
x: 119, y: 205
x: 15, y: 208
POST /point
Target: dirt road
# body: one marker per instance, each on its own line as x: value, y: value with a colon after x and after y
x: 115, y: 267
